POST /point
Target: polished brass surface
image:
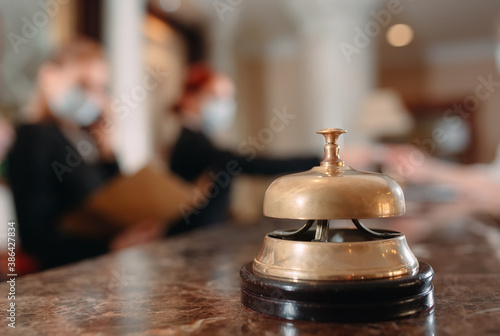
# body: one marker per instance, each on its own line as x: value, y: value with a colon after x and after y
x: 333, y: 191
x: 348, y: 255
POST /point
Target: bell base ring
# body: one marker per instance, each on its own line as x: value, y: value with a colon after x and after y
x: 339, y: 301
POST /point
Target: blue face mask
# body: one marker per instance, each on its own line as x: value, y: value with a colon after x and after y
x: 218, y: 115
x: 77, y: 106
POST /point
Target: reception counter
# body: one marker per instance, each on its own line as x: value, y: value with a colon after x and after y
x: 189, y: 285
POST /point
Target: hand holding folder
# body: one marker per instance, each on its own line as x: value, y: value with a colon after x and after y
x: 150, y: 194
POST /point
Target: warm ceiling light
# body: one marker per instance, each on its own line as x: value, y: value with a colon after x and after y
x: 399, y: 35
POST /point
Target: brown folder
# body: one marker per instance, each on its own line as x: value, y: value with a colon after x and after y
x: 126, y: 200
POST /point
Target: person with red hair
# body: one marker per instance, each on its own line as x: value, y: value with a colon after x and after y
x: 205, y: 109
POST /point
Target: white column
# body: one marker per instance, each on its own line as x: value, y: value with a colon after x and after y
x: 298, y: 44
x: 332, y: 86
x: 124, y: 42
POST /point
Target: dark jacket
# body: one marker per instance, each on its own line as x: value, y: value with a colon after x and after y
x: 194, y: 154
x: 49, y: 178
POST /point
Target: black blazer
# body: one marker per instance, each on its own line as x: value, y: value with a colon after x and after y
x: 49, y: 178
x: 194, y: 154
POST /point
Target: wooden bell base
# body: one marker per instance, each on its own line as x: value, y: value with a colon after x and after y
x: 339, y: 301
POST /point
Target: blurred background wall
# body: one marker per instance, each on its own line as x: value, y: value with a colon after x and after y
x: 381, y: 69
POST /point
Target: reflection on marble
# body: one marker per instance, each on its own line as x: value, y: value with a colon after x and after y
x: 189, y: 285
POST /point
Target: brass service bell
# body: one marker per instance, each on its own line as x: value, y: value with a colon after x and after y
x: 346, y: 274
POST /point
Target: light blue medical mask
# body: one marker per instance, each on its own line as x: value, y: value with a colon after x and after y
x: 77, y: 106
x: 217, y: 115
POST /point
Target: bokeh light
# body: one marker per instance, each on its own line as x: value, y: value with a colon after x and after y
x: 399, y: 35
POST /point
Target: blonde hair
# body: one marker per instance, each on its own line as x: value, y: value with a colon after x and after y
x: 79, y: 51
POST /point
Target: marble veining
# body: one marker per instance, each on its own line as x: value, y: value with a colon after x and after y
x: 189, y: 285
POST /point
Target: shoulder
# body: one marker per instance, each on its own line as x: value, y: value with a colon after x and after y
x: 35, y: 137
x: 189, y: 134
x: 193, y: 140
x: 37, y: 133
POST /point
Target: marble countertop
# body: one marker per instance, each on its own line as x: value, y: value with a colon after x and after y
x: 189, y: 285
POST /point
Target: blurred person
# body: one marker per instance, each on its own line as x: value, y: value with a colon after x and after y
x: 6, y: 139
x: 206, y: 108
x: 63, y: 154
x: 24, y: 263
x: 477, y: 186
x: 6, y: 204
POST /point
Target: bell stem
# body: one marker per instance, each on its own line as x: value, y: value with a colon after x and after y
x: 332, y: 155
x: 322, y: 227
